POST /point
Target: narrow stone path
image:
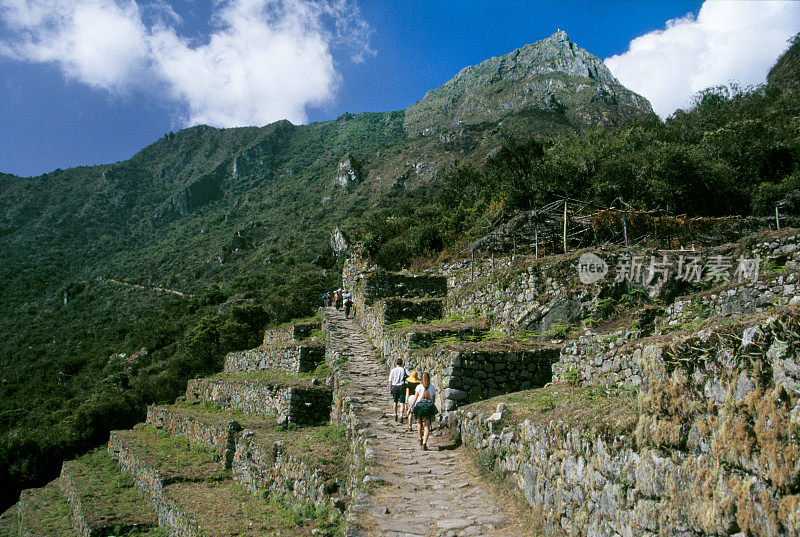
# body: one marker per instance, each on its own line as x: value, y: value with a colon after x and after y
x: 413, y: 492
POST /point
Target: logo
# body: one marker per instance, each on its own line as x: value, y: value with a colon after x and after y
x: 591, y: 268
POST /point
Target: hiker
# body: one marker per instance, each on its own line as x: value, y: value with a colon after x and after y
x: 340, y: 300
x: 348, y: 304
x: 411, y: 386
x: 397, y: 386
x: 326, y: 300
x: 336, y: 300
x: 424, y: 408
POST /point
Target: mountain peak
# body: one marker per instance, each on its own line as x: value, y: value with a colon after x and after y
x: 552, y: 75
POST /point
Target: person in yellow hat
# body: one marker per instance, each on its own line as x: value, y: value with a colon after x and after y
x: 412, y: 381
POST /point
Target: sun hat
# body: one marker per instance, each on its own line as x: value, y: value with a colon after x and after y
x: 413, y: 377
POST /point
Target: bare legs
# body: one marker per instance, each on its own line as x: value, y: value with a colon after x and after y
x: 423, y: 436
x: 402, y: 410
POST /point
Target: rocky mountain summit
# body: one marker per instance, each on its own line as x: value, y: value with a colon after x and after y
x: 553, y: 76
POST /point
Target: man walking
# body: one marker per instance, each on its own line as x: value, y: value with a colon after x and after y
x: 397, y: 385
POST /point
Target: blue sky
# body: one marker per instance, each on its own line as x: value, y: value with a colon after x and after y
x: 93, y: 81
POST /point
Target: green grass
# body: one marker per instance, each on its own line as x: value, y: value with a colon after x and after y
x: 595, y: 409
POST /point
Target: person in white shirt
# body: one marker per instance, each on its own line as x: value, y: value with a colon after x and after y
x: 397, y: 385
x: 424, y: 408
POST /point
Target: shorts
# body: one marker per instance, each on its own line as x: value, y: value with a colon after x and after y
x: 399, y: 393
x: 427, y: 411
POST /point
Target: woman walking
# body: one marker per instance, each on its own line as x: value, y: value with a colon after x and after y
x: 424, y: 409
x: 411, y: 387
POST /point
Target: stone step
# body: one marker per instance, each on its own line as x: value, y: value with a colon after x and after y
x: 288, y: 399
x: 102, y: 500
x: 43, y: 512
x: 192, y: 495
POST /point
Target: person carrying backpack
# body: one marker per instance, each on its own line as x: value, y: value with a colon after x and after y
x: 348, y: 305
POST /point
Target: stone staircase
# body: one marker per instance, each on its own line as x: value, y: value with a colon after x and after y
x: 404, y: 491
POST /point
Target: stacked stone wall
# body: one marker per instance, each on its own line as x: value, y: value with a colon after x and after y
x: 290, y: 333
x: 303, y: 406
x: 266, y: 466
x: 604, y: 359
x: 466, y: 376
x: 67, y: 486
x: 527, y: 293
x: 292, y: 358
x: 742, y: 299
x: 219, y: 437
x: 149, y: 482
x: 715, y: 451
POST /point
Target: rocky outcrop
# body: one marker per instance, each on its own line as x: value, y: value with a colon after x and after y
x: 339, y: 242
x: 552, y: 75
x: 348, y: 172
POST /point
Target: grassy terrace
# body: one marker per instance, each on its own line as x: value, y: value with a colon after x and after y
x: 280, y: 378
x: 226, y: 509
x: 322, y: 446
x: 593, y: 409
x: 108, y: 497
x: 47, y: 512
x: 220, y: 506
x: 175, y: 458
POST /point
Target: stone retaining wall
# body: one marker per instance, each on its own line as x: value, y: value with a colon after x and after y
x: 597, y: 486
x: 67, y: 486
x: 303, y: 406
x: 260, y: 466
x: 715, y: 450
x: 292, y: 358
x: 255, y: 464
x: 220, y: 437
x: 601, y: 359
x: 376, y: 318
x: 741, y: 299
x: 469, y: 375
x: 289, y: 333
x: 149, y: 482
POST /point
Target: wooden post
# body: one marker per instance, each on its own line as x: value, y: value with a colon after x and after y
x: 625, y: 229
x: 565, y: 226
x: 537, y: 242
x: 777, y: 219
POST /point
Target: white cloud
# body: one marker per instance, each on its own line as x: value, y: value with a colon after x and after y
x: 264, y: 60
x: 728, y: 41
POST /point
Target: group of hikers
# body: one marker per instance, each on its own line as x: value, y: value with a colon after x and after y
x: 414, y: 397
x: 339, y: 299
